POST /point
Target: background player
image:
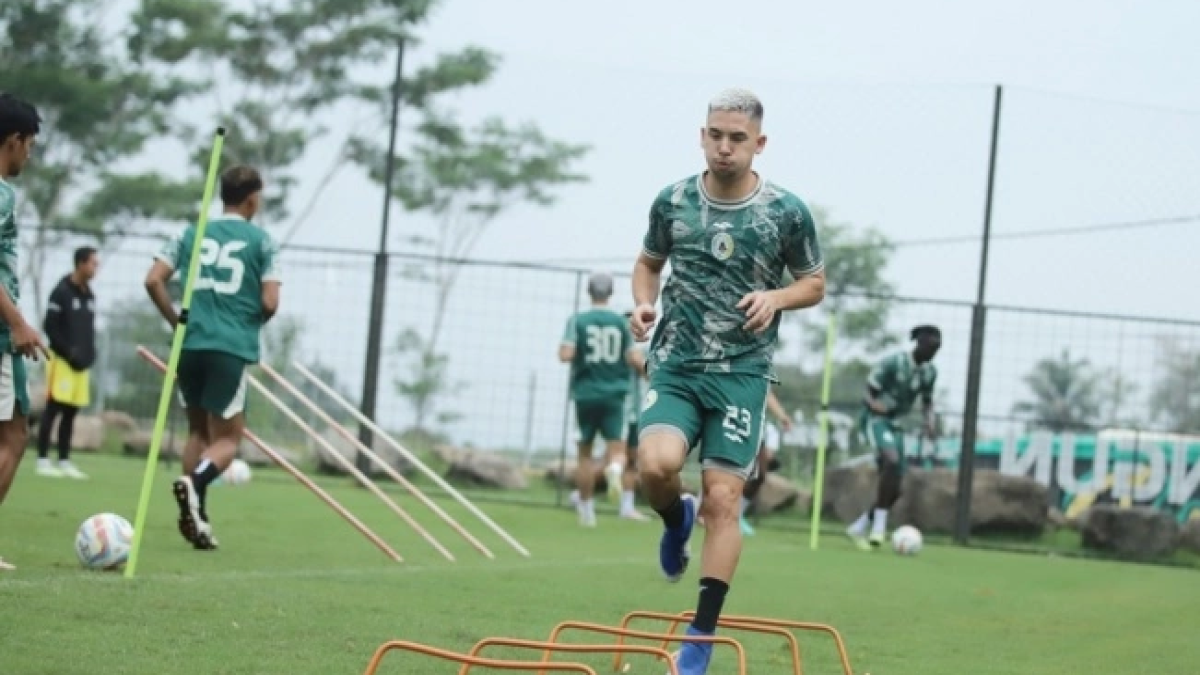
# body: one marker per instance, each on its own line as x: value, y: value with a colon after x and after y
x: 70, y: 326
x: 892, y: 388
x: 20, y: 124
x: 235, y: 293
x: 766, y: 457
x: 729, y: 233
x: 633, y: 406
x: 598, y: 345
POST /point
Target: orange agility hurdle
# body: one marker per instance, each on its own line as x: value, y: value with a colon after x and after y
x: 725, y: 622
x: 446, y: 655
x: 642, y: 635
x: 558, y: 646
x: 838, y: 642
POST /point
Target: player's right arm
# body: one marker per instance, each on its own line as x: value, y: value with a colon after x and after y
x: 647, y: 271
x: 25, y: 340
x: 166, y: 261
x: 566, y: 348
x: 877, y: 382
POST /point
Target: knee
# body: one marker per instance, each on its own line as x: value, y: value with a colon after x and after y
x: 722, y: 502
x: 660, y: 456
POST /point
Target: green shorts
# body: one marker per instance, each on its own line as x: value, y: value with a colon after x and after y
x: 14, y: 387
x: 603, y: 416
x: 723, y: 413
x: 882, y: 433
x: 212, y: 381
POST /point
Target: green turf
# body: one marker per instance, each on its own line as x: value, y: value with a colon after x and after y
x: 294, y: 590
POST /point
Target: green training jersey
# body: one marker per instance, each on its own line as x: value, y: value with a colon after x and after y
x: 601, y: 338
x: 9, y: 272
x: 236, y: 258
x: 901, y: 380
x: 720, y: 251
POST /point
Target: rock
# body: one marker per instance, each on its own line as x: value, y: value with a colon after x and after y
x: 138, y: 444
x: 1056, y: 518
x: 486, y: 469
x: 1189, y: 536
x: 1140, y: 533
x: 776, y: 494
x: 326, y: 463
x: 564, y: 476
x: 849, y: 490
x: 999, y: 503
x: 121, y: 422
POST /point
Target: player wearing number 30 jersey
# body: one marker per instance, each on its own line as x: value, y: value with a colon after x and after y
x: 236, y: 291
x: 599, y: 346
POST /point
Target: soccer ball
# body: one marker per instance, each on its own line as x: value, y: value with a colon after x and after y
x: 238, y: 473
x: 103, y: 541
x: 906, y: 540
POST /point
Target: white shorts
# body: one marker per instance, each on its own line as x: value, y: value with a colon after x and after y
x: 771, y: 438
x: 14, y: 387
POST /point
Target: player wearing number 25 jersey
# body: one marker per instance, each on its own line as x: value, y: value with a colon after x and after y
x: 599, y: 346
x: 235, y: 292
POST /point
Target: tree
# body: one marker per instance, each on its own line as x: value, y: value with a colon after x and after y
x: 465, y: 178
x: 101, y: 108
x: 855, y: 288
x: 276, y: 70
x: 1175, y: 397
x: 1065, y: 394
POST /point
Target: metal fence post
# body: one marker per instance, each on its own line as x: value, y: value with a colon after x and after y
x: 966, y: 464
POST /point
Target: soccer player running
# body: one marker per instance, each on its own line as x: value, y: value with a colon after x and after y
x: 892, y: 388
x: 70, y: 326
x: 729, y: 233
x: 20, y: 125
x: 599, y: 346
x: 236, y: 292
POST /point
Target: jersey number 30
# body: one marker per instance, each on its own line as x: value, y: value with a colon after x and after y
x: 603, y: 344
x: 214, y: 258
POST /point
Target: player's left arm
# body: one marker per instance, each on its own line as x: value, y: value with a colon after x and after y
x: 272, y: 279
x: 777, y: 410
x: 804, y: 260
x: 928, y: 408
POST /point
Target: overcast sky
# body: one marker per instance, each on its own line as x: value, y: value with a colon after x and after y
x: 878, y: 112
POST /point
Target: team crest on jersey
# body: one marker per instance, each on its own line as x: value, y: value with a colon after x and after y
x: 722, y: 246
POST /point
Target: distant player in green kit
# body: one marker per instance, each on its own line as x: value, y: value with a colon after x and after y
x: 729, y: 234
x: 235, y: 293
x: 892, y: 387
x: 598, y: 345
x: 20, y: 124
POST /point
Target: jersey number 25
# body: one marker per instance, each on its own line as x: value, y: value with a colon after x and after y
x: 217, y: 257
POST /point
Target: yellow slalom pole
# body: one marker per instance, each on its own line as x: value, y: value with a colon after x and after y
x: 823, y: 437
x: 164, y: 398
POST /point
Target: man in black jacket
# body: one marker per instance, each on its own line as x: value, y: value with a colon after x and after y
x: 70, y: 326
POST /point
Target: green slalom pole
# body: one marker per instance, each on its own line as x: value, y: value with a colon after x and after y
x: 164, y: 398
x: 823, y: 436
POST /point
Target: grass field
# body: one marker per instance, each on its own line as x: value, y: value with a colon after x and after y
x: 294, y: 590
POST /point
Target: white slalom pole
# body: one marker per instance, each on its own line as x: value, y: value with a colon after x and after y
x: 363, y: 419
